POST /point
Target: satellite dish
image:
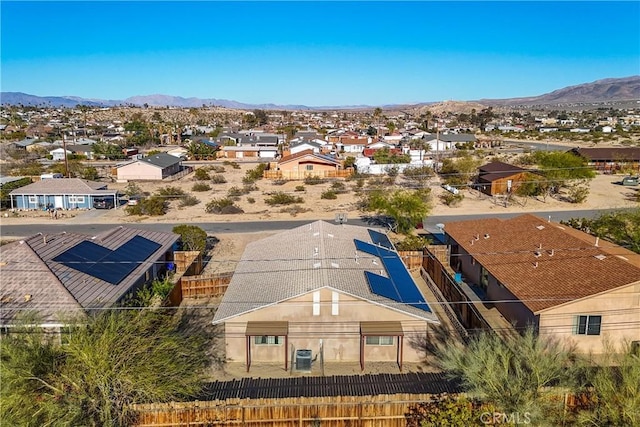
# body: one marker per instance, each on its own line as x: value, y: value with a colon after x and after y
x: 440, y: 226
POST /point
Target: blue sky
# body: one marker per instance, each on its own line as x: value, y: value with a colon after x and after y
x: 315, y: 53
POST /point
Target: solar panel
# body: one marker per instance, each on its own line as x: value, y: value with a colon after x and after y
x: 112, y: 266
x: 380, y: 239
x: 400, y: 286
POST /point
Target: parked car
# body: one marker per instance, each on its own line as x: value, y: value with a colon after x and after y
x: 103, y: 203
x: 631, y: 180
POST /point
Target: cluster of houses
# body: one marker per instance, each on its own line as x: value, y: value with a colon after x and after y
x: 341, y: 293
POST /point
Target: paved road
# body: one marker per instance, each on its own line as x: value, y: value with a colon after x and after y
x: 14, y: 231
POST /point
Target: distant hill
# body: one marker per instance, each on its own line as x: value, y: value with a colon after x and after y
x: 621, y: 89
x: 606, y: 90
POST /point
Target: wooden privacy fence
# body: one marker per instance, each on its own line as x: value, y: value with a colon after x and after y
x: 300, y: 175
x: 204, y: 286
x: 356, y: 411
x: 412, y: 259
x: 188, y: 263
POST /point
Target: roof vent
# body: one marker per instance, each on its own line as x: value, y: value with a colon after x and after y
x: 600, y: 257
x: 27, y: 297
x: 486, y: 236
x: 540, y: 227
x: 551, y: 252
x: 597, y: 241
x: 535, y: 264
x: 335, y: 265
x: 537, y: 254
x: 477, y: 237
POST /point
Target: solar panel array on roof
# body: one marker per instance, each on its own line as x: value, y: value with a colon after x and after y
x: 105, y: 264
x: 380, y: 239
x: 399, y: 286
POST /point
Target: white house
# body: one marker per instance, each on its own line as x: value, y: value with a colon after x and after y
x: 58, y: 153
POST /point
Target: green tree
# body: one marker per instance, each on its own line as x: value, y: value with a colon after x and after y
x: 192, y: 238
x: 407, y: 208
x: 113, y: 360
x: 561, y: 169
x: 385, y: 156
x: 515, y: 372
x: 620, y: 227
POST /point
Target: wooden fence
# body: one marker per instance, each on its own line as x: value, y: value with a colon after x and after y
x: 355, y: 411
x: 188, y: 263
x: 412, y: 259
x: 301, y: 175
x: 204, y: 286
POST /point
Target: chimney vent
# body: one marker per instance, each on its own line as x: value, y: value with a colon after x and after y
x: 597, y: 241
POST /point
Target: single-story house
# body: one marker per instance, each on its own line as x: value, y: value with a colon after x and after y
x: 501, y: 178
x: 62, y: 193
x: 322, y: 291
x: 303, y: 145
x: 308, y: 163
x: 156, y: 167
x: 245, y: 151
x: 610, y: 159
x: 57, y: 154
x: 59, y: 275
x: 81, y: 150
x: 566, y: 283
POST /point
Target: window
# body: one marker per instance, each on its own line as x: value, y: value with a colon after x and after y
x: 267, y: 339
x: 309, y: 167
x: 484, y: 278
x: 316, y: 303
x: 379, y: 340
x: 33, y: 200
x: 76, y: 199
x: 335, y: 299
x: 588, y: 325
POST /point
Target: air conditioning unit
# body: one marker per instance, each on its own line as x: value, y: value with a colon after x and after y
x: 303, y: 360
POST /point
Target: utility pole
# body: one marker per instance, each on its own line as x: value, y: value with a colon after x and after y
x: 437, y: 144
x: 64, y: 149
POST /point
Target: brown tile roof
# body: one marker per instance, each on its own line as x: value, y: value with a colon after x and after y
x: 498, y: 170
x: 567, y: 268
x: 309, y: 153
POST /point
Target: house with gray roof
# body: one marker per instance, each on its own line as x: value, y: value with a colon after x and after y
x: 63, y: 275
x: 61, y: 193
x: 156, y: 167
x: 336, y: 291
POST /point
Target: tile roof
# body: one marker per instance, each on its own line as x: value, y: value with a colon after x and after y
x: 566, y: 268
x: 63, y: 186
x: 28, y: 285
x: 309, y: 153
x: 301, y: 260
x: 88, y: 291
x: 498, y: 170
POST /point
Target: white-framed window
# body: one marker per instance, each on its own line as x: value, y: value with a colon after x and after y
x: 588, y: 325
x: 33, y: 200
x: 379, y: 340
x: 76, y: 199
x: 316, y: 303
x: 309, y: 167
x: 335, y: 306
x: 267, y: 340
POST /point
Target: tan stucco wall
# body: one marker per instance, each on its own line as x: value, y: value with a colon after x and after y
x: 620, y: 311
x: 139, y: 170
x: 301, y: 166
x: 340, y: 334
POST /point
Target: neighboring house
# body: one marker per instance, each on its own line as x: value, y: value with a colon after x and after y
x: 566, y: 283
x: 156, y: 167
x: 610, y: 159
x: 244, y: 152
x: 57, y: 154
x: 353, y: 144
x: 179, y: 152
x: 62, y: 193
x: 337, y: 293
x: 304, y: 145
x: 308, y: 163
x: 501, y: 178
x: 23, y: 144
x: 82, y: 150
x: 56, y: 276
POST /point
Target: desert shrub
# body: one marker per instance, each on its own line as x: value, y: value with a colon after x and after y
x: 329, y: 194
x: 218, y: 179
x: 222, y: 206
x: 248, y: 188
x: 252, y: 175
x: 234, y: 165
x: 412, y: 243
x: 201, y: 174
x: 451, y: 199
x: 294, y: 210
x: 251, y: 200
x: 577, y: 194
x: 299, y: 187
x: 171, y: 193
x: 280, y: 198
x: 313, y: 180
x: 189, y: 200
x: 218, y: 169
x: 200, y: 186
x: 152, y: 206
x: 338, y: 187
x: 234, y: 193
x: 279, y: 181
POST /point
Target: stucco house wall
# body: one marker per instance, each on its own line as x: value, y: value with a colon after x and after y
x: 340, y: 333
x: 139, y: 170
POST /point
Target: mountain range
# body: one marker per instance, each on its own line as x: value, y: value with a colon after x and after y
x: 613, y: 89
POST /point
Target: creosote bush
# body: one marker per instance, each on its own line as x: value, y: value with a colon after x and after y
x: 280, y: 198
x: 299, y: 187
x: 200, y: 186
x: 222, y: 206
x: 201, y: 174
x: 234, y: 165
x: 189, y: 200
x: 451, y: 199
x: 329, y: 195
x: 152, y: 206
x: 170, y: 193
x: 313, y: 180
x: 218, y: 179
